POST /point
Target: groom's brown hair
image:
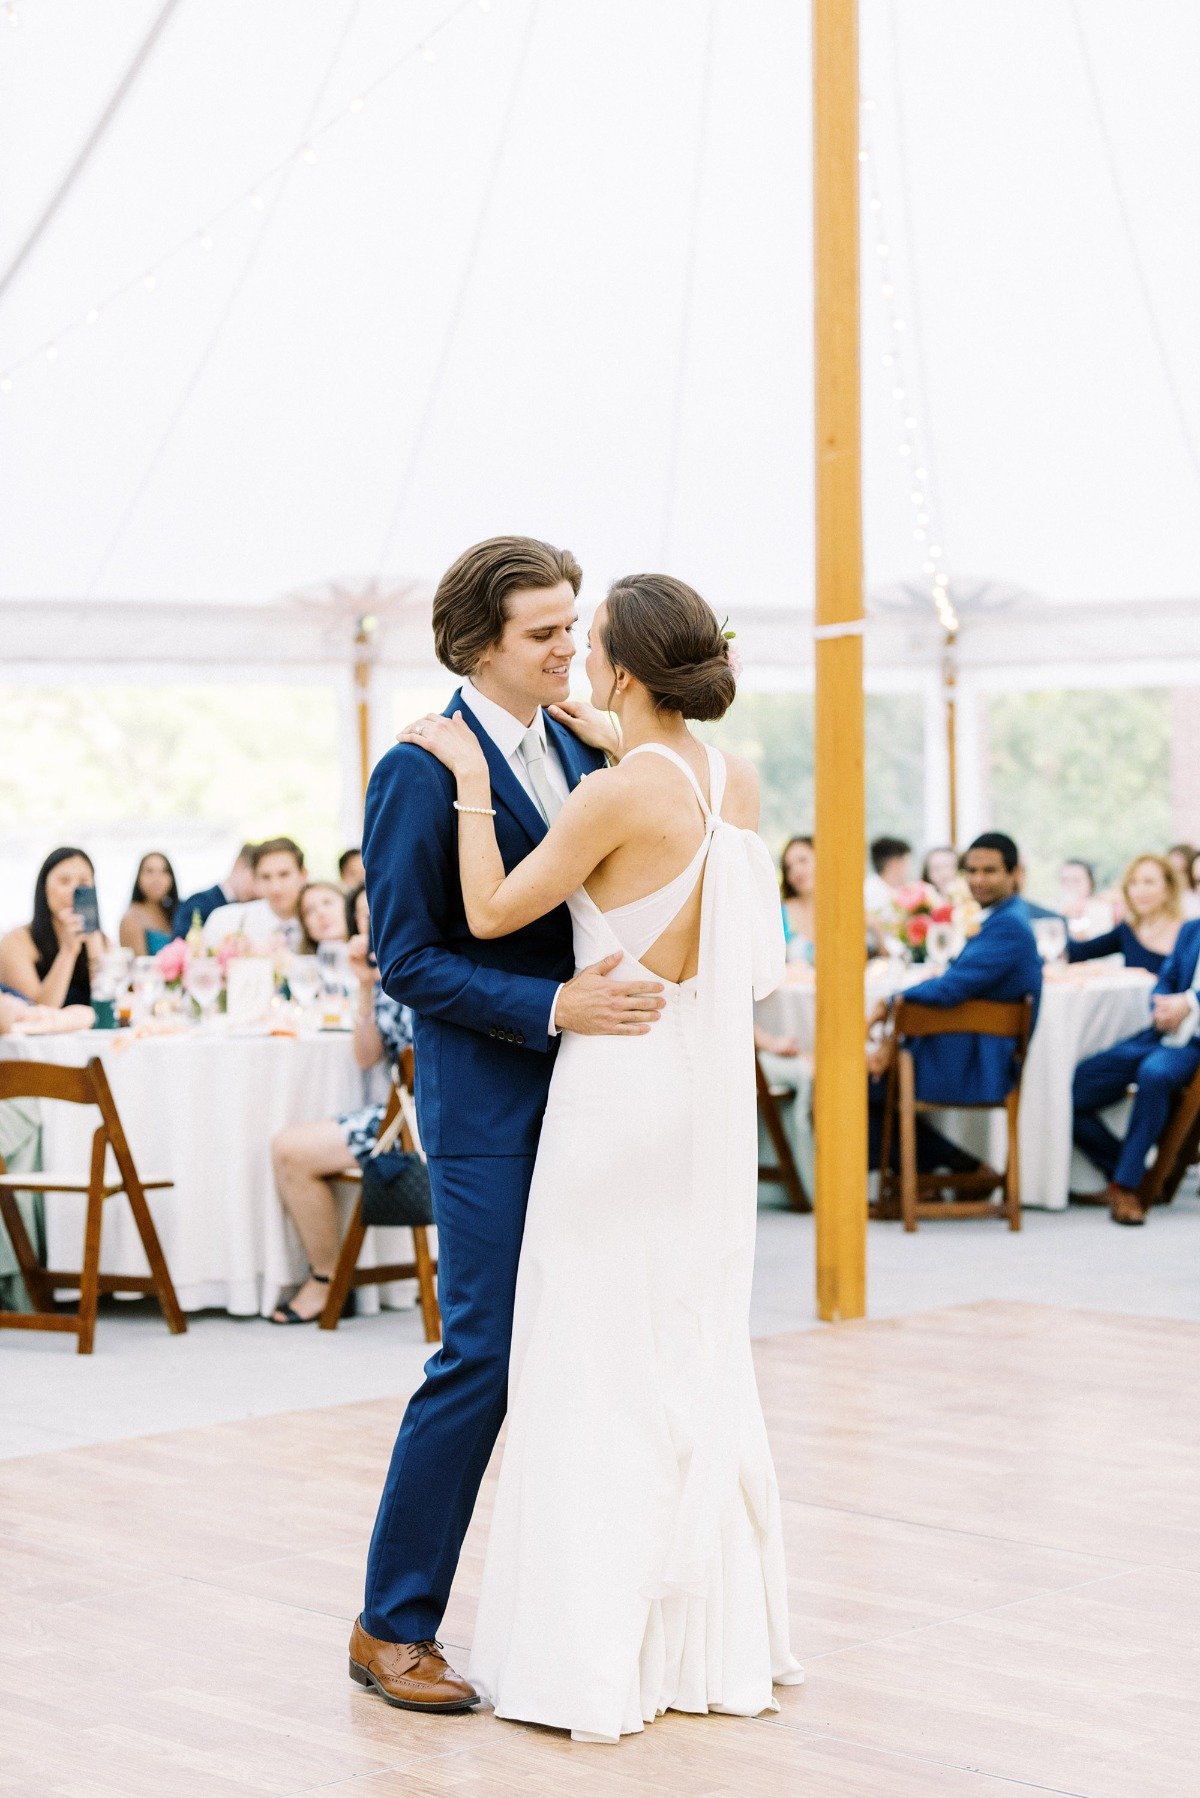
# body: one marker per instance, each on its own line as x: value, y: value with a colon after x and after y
x: 471, y: 603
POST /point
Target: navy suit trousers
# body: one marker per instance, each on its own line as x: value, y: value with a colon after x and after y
x: 1102, y: 1080
x: 451, y: 1424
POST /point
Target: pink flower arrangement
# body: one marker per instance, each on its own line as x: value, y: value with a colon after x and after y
x: 172, y: 961
x: 914, y: 909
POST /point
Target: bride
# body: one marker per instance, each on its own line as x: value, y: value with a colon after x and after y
x: 635, y: 1562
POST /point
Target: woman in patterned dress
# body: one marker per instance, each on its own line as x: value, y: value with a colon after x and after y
x: 305, y: 1156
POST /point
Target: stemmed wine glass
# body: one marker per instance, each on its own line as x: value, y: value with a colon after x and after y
x: 304, y: 980
x: 204, y: 981
x: 1050, y: 934
x: 939, y: 944
x: 147, y: 986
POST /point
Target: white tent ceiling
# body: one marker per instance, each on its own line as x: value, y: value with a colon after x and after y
x: 557, y: 280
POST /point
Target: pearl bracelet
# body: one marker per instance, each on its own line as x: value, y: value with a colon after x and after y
x: 482, y: 811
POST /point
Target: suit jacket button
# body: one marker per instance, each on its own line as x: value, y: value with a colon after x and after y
x: 492, y: 1031
x: 520, y: 1038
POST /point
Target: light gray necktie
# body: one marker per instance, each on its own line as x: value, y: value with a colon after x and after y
x: 532, y: 752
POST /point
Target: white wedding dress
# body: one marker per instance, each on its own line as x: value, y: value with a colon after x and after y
x: 635, y: 1562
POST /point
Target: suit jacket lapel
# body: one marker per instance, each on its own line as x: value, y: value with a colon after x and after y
x: 506, y: 788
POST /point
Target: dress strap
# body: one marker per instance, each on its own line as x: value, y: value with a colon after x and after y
x: 672, y: 756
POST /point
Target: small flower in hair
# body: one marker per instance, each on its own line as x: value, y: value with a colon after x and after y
x: 733, y: 655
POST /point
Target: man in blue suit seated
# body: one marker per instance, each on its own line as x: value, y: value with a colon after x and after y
x: 1160, y: 1059
x: 1001, y: 962
x: 236, y: 889
x: 487, y: 1016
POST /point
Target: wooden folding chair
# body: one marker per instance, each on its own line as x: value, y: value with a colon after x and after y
x: 81, y: 1086
x: 423, y: 1267
x: 783, y: 1170
x: 977, y: 1017
x: 1178, y: 1148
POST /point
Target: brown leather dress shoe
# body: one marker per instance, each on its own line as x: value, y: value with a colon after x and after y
x: 415, y: 1676
x: 1125, y: 1206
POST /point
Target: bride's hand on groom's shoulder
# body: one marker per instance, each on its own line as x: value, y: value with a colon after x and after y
x: 599, y: 730
x: 451, y: 740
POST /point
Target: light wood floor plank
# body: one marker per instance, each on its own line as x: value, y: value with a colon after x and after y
x: 994, y: 1549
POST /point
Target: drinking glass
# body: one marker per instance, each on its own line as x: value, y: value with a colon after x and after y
x: 333, y: 961
x: 1050, y: 934
x: 304, y: 978
x: 204, y: 981
x: 147, y: 986
x: 939, y: 944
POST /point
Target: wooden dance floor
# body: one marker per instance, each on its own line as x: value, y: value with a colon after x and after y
x: 993, y: 1522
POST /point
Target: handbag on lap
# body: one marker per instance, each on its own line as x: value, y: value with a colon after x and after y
x: 395, y: 1189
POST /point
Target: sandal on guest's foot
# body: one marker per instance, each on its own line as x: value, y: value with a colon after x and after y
x: 284, y: 1314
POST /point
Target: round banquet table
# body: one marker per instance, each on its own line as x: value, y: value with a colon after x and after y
x: 1084, y: 1009
x: 200, y: 1109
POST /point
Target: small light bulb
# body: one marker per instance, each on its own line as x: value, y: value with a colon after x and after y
x: 11, y: 14
x: 887, y: 290
x: 876, y: 205
x: 897, y: 393
x: 920, y: 474
x: 922, y: 518
x: 926, y: 567
x: 917, y: 498
x: 256, y: 200
x: 150, y: 282
x: 868, y: 106
x: 206, y: 240
x: 357, y: 104
x: 310, y: 155
x: 910, y: 424
x: 428, y: 52
x: 887, y: 359
x: 881, y: 249
x: 898, y: 324
x: 484, y: 5
x: 935, y: 550
x: 52, y: 352
x: 919, y: 536
x: 5, y: 383
x: 93, y: 317
x: 906, y: 449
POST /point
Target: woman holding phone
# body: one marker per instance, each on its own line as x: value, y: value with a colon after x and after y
x: 51, y: 959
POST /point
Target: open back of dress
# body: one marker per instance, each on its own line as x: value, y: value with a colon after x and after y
x: 635, y: 1561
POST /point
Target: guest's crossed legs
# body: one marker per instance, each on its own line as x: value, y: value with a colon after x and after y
x: 452, y: 1422
x: 1102, y: 1080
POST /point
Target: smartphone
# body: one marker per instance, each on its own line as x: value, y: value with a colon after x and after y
x: 88, y: 907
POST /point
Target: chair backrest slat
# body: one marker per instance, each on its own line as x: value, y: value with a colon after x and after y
x: 47, y: 1080
x: 976, y: 1017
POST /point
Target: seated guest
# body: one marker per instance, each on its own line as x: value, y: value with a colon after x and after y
x: 789, y: 1074
x: 1182, y: 857
x: 148, y: 925
x: 1086, y: 914
x: 50, y: 960
x: 1160, y: 1059
x: 797, y: 874
x: 1001, y: 962
x: 279, y: 880
x: 940, y: 869
x: 306, y: 1156
x: 351, y: 872
x: 322, y: 913
x: 891, y: 869
x: 236, y: 888
x: 1153, y: 914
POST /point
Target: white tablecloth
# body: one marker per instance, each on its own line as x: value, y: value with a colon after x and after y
x: 201, y: 1110
x: 1081, y: 1013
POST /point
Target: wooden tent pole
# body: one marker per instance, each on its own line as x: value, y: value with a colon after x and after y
x: 840, y: 1088
x: 950, y: 696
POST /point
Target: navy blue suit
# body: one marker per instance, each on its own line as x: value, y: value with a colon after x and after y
x: 1003, y: 963
x: 1158, y: 1069
x: 205, y: 903
x: 484, y: 1056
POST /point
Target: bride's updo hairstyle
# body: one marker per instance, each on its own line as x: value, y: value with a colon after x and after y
x: 660, y: 630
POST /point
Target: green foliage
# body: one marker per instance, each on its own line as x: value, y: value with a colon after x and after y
x: 1080, y: 774
x: 254, y: 761
x: 775, y: 731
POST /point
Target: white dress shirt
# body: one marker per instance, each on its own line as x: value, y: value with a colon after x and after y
x: 255, y: 921
x: 508, y: 733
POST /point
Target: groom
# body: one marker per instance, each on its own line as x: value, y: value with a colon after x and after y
x: 486, y: 1022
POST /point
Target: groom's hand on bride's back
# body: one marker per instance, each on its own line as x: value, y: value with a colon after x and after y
x: 594, y: 1005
